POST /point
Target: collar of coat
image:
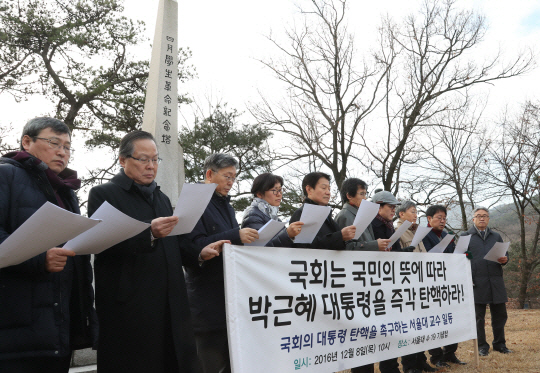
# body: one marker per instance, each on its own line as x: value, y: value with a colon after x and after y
x: 475, y: 230
x: 347, y: 206
x: 123, y: 181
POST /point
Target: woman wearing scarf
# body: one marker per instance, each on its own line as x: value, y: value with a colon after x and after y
x: 267, y: 192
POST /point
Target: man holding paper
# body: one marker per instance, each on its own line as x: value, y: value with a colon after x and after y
x: 316, y: 188
x: 488, y: 282
x: 141, y: 297
x: 353, y: 193
x: 436, y: 217
x: 46, y: 302
x: 206, y: 285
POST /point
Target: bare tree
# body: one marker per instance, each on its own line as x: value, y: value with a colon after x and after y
x: 455, y: 154
x: 432, y: 74
x: 516, y: 168
x: 329, y: 97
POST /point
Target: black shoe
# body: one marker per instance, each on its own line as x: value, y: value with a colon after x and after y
x: 483, y: 351
x: 452, y: 358
x: 427, y: 368
x: 440, y: 364
x: 503, y: 350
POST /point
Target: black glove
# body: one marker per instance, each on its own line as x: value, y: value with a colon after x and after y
x: 408, y: 249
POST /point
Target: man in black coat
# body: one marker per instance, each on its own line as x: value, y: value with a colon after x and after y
x: 488, y: 282
x: 141, y: 299
x: 436, y: 216
x: 206, y: 284
x: 46, y: 302
x: 316, y: 188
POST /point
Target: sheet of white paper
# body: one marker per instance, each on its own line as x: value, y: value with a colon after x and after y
x: 365, y: 215
x: 463, y: 244
x: 267, y: 232
x: 399, y: 232
x: 441, y: 246
x: 191, y: 204
x: 116, y: 227
x: 313, y: 217
x: 48, y: 227
x: 497, y: 251
x: 421, y: 232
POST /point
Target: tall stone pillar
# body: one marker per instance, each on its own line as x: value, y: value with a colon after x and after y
x: 161, y: 103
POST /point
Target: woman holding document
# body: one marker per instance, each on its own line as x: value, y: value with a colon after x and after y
x: 316, y: 188
x: 268, y: 192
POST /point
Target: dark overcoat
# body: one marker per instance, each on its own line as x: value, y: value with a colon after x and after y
x: 431, y: 240
x: 256, y: 219
x: 488, y: 282
x: 206, y: 285
x: 141, y: 297
x: 329, y: 237
x: 380, y: 230
x: 36, y: 316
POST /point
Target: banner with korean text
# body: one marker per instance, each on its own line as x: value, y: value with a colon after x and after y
x: 309, y: 310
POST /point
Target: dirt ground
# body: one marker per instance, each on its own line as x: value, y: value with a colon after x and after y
x: 522, y: 337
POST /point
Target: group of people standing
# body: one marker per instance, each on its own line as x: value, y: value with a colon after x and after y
x: 151, y: 317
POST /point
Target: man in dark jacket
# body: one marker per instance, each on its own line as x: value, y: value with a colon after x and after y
x: 383, y: 228
x: 141, y: 299
x: 46, y: 302
x: 488, y: 282
x: 436, y: 216
x: 206, y: 284
x: 316, y: 188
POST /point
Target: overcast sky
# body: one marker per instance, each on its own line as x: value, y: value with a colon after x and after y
x: 227, y: 38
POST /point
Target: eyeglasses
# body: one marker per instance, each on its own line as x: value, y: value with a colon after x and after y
x: 53, y: 144
x: 439, y: 218
x: 481, y: 217
x: 363, y: 194
x: 228, y: 178
x: 277, y: 191
x: 146, y: 161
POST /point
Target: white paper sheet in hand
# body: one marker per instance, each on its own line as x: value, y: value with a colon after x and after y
x: 441, y: 246
x: 399, y: 232
x: 48, y: 227
x: 191, y: 204
x: 267, y: 232
x: 497, y: 251
x: 313, y: 217
x: 421, y: 232
x: 116, y: 227
x: 365, y: 215
x: 463, y: 244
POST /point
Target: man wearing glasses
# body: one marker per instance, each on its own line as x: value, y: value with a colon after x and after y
x: 141, y: 298
x: 46, y: 302
x: 488, y: 282
x: 436, y: 217
x: 206, y: 284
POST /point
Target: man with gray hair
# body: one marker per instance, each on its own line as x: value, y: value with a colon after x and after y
x: 488, y: 282
x: 206, y: 286
x: 46, y: 302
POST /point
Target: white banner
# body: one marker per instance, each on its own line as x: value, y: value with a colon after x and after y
x: 309, y: 310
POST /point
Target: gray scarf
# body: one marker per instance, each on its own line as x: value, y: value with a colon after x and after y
x: 265, y: 207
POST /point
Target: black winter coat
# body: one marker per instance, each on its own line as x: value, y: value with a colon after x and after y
x: 206, y: 285
x: 488, y: 281
x: 256, y: 219
x: 141, y: 297
x: 41, y: 313
x: 431, y: 240
x: 382, y: 231
x: 329, y: 237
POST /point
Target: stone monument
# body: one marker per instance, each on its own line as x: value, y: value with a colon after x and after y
x: 161, y: 103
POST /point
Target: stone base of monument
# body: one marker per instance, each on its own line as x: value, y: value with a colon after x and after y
x: 83, y: 361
